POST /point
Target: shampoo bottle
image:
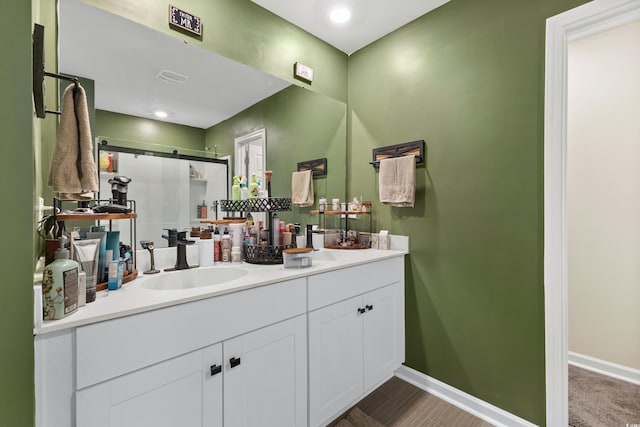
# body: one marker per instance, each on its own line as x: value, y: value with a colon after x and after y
x: 225, y: 246
x: 254, y: 188
x: 235, y: 188
x: 60, y: 285
x: 217, y: 250
x: 244, y: 191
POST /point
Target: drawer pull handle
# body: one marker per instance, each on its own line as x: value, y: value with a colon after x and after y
x: 234, y: 362
x: 215, y: 369
x: 361, y: 310
x: 369, y: 307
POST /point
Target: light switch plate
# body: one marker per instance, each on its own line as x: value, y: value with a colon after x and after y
x: 303, y: 72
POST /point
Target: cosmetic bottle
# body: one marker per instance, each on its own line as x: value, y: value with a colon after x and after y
x: 217, y: 250
x: 225, y: 246
x: 244, y: 191
x: 235, y: 188
x: 60, y: 285
x: 203, y: 210
x: 254, y: 188
x: 275, y: 230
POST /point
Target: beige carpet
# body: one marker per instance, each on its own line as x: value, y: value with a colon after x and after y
x: 599, y: 401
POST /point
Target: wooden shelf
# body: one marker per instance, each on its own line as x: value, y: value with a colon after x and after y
x: 316, y: 212
x: 125, y: 279
x: 222, y: 221
x: 95, y: 216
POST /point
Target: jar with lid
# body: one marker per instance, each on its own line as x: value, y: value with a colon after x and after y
x: 322, y: 204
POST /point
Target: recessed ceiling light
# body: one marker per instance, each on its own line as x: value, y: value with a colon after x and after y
x: 340, y: 15
x: 160, y: 114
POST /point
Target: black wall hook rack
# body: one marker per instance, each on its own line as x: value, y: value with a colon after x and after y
x: 317, y: 167
x: 414, y: 148
x: 39, y: 73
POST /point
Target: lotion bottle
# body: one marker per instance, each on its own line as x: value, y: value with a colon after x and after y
x: 235, y: 188
x: 254, y: 188
x: 60, y: 285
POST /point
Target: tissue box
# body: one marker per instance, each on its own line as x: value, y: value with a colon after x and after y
x: 384, y: 241
x: 375, y: 238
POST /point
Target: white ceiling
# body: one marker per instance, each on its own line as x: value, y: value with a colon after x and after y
x: 123, y: 58
x: 370, y: 19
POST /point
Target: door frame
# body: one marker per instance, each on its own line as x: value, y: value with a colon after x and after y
x: 585, y: 20
x: 257, y: 135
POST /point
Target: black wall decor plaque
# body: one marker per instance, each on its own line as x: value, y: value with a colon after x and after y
x: 184, y: 20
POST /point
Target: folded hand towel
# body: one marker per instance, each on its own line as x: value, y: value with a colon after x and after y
x: 397, y: 181
x: 73, y: 171
x: 302, y: 188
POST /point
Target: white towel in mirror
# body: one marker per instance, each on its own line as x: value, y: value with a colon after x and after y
x: 302, y: 188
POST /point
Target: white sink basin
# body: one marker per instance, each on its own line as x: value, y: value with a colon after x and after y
x: 193, y: 278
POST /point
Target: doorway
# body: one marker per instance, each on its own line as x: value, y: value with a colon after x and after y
x: 250, y: 154
x: 572, y: 25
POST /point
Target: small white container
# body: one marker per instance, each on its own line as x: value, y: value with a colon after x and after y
x: 297, y: 257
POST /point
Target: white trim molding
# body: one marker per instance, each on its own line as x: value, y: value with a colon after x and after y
x: 590, y: 18
x: 481, y: 409
x: 603, y: 367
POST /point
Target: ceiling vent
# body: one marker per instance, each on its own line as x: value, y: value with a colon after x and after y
x: 171, y: 77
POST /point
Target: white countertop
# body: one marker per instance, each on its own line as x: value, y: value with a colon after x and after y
x: 135, y: 298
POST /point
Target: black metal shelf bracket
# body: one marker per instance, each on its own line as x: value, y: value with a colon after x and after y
x: 317, y: 167
x: 414, y: 148
x: 39, y: 73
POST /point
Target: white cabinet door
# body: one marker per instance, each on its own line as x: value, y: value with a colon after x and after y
x: 335, y: 358
x: 265, y: 376
x: 167, y: 394
x: 381, y: 323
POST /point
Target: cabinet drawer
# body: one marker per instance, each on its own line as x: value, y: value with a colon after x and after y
x: 115, y: 347
x: 334, y: 286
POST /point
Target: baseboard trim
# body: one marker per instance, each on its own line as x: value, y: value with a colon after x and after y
x: 481, y: 409
x: 603, y: 367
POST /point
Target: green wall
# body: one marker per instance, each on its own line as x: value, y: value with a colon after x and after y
x: 243, y: 31
x: 300, y: 125
x: 17, y: 165
x: 138, y: 129
x: 467, y: 78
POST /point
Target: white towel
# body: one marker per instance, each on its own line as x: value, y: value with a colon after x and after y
x: 302, y: 188
x: 73, y: 171
x: 397, y: 181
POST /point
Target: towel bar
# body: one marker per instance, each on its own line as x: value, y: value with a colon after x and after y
x: 317, y: 167
x: 414, y: 148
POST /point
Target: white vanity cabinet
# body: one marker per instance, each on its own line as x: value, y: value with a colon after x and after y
x: 259, y: 378
x: 292, y: 353
x: 178, y: 392
x: 155, y: 368
x: 356, y: 334
x: 265, y: 376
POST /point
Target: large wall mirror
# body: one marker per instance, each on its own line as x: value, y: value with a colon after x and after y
x: 209, y: 101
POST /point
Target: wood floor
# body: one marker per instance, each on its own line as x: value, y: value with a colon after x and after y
x: 398, y: 403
